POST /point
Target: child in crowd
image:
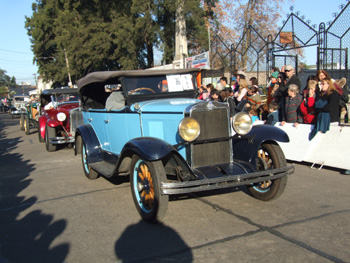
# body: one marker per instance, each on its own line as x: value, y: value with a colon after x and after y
x: 253, y: 99
x: 254, y: 115
x: 215, y: 95
x: 272, y: 117
x: 307, y: 107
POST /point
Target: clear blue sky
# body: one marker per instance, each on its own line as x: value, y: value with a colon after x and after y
x: 16, y: 56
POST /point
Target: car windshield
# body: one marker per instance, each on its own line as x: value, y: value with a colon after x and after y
x: 66, y: 98
x: 158, y: 84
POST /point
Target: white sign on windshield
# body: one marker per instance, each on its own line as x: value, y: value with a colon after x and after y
x: 179, y: 82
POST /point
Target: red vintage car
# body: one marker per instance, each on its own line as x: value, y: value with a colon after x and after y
x: 59, y: 117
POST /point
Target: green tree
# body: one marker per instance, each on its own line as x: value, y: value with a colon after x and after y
x: 107, y: 34
x: 6, y: 80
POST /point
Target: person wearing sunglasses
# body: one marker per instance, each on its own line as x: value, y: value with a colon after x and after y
x: 292, y: 77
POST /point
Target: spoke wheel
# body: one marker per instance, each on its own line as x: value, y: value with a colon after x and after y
x: 146, y: 178
x: 50, y: 133
x: 270, y: 156
x: 89, y: 173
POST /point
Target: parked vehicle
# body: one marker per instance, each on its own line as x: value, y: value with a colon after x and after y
x: 18, y: 105
x: 29, y: 119
x: 59, y: 117
x: 152, y: 129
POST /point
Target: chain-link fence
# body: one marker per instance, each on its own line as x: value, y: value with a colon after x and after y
x: 335, y: 43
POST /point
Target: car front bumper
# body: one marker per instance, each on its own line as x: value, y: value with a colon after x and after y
x: 62, y: 140
x: 229, y: 180
x: 18, y: 112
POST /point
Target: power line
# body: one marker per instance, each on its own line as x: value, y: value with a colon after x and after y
x: 19, y: 52
x: 15, y: 61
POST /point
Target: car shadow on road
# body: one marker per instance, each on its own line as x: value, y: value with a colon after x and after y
x: 144, y: 242
x: 25, y: 236
x: 118, y: 180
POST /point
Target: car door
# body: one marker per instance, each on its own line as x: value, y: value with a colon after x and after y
x: 122, y: 126
x: 98, y: 120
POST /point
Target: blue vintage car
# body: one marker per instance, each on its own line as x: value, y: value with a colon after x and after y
x: 147, y: 124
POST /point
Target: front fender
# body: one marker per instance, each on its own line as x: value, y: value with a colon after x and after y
x: 91, y: 142
x: 41, y: 125
x: 246, y: 148
x: 148, y: 148
x: 53, y: 123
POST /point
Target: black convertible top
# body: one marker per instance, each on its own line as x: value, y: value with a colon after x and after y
x: 50, y: 92
x: 92, y: 87
x: 104, y: 76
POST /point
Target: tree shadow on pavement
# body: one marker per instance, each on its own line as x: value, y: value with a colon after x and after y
x: 25, y: 236
x: 144, y: 242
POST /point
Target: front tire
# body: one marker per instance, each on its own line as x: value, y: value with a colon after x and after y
x: 21, y: 122
x: 50, y: 133
x: 270, y: 156
x: 89, y: 173
x: 145, y: 180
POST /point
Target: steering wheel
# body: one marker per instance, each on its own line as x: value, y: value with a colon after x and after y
x: 138, y: 89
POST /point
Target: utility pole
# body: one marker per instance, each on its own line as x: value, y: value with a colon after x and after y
x: 181, y: 51
x: 70, y: 80
x: 35, y: 78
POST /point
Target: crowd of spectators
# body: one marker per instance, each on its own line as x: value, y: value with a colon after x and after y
x: 322, y: 102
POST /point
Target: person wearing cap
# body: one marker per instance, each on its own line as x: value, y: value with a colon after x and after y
x: 292, y: 77
x: 233, y: 83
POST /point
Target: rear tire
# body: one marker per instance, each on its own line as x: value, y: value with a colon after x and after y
x: 145, y: 180
x: 270, y: 156
x: 89, y: 173
x: 50, y: 133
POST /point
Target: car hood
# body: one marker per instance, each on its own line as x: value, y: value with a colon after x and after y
x: 66, y: 107
x: 166, y: 105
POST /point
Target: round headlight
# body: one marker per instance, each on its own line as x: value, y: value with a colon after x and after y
x: 242, y: 123
x: 189, y: 129
x: 61, y: 116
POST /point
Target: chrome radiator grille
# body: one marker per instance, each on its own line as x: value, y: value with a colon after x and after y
x: 76, y: 119
x: 214, y: 124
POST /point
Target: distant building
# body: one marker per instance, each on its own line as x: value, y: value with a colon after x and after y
x: 41, y: 85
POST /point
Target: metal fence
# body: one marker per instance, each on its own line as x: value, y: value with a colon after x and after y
x: 257, y: 54
x: 333, y: 52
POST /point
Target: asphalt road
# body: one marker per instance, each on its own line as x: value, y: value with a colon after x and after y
x: 49, y: 212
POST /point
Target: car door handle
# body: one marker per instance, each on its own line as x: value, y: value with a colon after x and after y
x: 106, y: 121
x: 90, y: 120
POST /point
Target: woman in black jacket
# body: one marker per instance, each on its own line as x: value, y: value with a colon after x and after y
x: 331, y: 98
